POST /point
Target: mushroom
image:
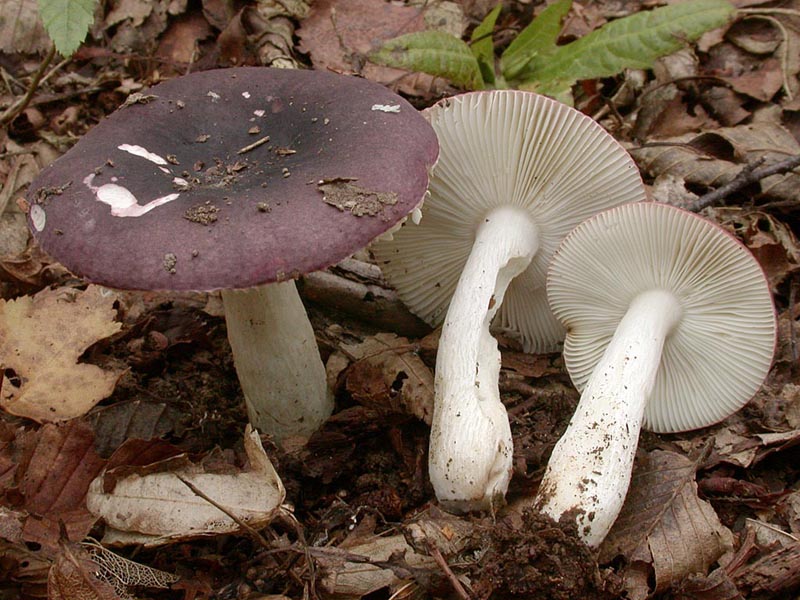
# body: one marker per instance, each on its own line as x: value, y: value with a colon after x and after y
x: 517, y: 171
x: 241, y: 180
x: 670, y: 326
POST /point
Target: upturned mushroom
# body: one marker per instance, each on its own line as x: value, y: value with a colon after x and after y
x: 517, y: 172
x: 240, y: 180
x: 670, y: 326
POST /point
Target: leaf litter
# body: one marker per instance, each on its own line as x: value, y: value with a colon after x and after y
x: 721, y: 526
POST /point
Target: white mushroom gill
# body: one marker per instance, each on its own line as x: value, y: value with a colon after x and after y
x: 591, y: 464
x: 471, y: 446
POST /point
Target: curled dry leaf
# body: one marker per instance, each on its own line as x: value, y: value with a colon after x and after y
x: 713, y: 158
x: 41, y: 339
x: 664, y: 527
x: 157, y: 507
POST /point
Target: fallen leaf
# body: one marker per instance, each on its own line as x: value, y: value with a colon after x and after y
x: 115, y: 424
x: 41, y: 339
x: 338, y: 34
x: 72, y: 576
x: 21, y: 29
x: 664, y: 527
x: 56, y: 465
x: 388, y: 374
x: 357, y: 579
x: 715, y: 157
x: 159, y: 506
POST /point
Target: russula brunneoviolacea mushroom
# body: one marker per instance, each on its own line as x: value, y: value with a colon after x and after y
x: 517, y: 172
x: 670, y: 326
x: 232, y: 179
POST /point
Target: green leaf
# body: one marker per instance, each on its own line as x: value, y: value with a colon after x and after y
x: 482, y: 44
x: 537, y: 38
x: 67, y: 22
x: 433, y: 52
x: 633, y: 42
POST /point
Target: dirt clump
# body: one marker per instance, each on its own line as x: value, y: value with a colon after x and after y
x: 536, y: 558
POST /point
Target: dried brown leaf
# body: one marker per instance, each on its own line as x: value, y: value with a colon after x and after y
x: 338, y: 34
x: 21, y: 29
x: 72, y: 577
x: 714, y: 157
x: 122, y: 421
x: 388, y: 374
x: 664, y: 526
x: 57, y: 465
x: 41, y: 339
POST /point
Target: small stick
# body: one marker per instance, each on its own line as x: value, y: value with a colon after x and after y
x: 749, y: 174
x: 22, y: 104
x: 254, y: 145
x: 197, y: 491
x: 451, y: 577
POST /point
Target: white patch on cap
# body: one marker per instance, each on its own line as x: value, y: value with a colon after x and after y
x: 387, y: 108
x: 259, y: 112
x: 416, y: 216
x: 143, y: 153
x: 180, y: 181
x: 246, y: 94
x: 122, y: 201
x: 38, y: 217
x: 214, y: 96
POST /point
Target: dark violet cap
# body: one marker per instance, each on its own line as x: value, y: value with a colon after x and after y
x: 232, y: 178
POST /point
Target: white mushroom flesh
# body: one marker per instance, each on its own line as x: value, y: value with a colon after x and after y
x: 471, y: 447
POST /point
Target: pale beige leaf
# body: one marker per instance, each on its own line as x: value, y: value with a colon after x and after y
x: 41, y: 339
x: 357, y: 579
x: 162, y: 507
x: 664, y: 525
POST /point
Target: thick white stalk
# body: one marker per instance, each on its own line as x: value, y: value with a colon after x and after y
x: 471, y: 447
x: 590, y: 469
x: 277, y: 360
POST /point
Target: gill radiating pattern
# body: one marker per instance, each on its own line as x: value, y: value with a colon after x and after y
x: 720, y: 352
x: 498, y: 148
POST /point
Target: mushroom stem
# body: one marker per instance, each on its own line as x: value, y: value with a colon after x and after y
x: 590, y: 469
x: 277, y: 360
x: 471, y: 447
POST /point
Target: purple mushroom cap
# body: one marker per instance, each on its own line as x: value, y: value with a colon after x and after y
x: 233, y: 178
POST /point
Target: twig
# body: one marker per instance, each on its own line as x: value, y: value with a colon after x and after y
x: 448, y: 572
x: 749, y: 174
x: 258, y: 537
x: 23, y: 102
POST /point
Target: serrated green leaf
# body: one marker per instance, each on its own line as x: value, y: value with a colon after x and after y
x: 482, y: 44
x: 67, y: 22
x: 433, y: 52
x: 633, y: 42
x: 537, y: 38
